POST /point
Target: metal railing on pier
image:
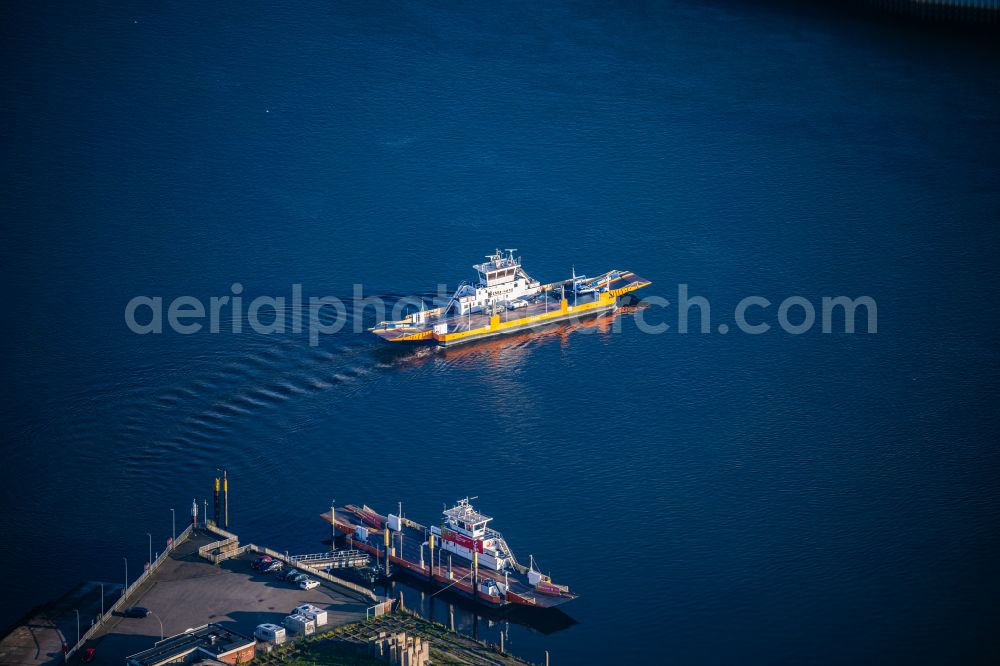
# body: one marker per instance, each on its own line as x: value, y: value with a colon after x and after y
x: 338, y: 559
x: 127, y: 592
x: 219, y: 551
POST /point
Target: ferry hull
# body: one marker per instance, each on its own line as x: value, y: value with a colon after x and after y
x: 525, y: 327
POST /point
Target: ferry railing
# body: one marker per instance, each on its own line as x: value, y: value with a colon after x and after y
x: 412, y: 523
x: 505, y: 549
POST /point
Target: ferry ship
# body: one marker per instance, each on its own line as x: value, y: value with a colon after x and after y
x: 506, y: 299
x: 464, y: 555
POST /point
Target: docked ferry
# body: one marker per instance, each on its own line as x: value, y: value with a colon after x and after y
x: 462, y: 554
x: 505, y: 299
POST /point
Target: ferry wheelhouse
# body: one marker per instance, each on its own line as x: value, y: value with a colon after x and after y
x: 502, y: 283
x: 464, y: 532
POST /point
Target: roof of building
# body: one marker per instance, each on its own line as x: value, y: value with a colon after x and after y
x: 211, y: 639
x: 464, y: 511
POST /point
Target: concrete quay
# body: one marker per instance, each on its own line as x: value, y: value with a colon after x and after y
x: 182, y: 592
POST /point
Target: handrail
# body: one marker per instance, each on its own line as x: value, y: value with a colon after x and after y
x: 312, y: 570
x: 505, y: 549
x: 335, y: 555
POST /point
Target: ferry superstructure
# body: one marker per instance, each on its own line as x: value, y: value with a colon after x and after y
x: 462, y: 554
x: 506, y: 299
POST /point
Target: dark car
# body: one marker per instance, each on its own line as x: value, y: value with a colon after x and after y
x: 88, y: 655
x: 297, y: 578
x: 262, y: 561
x: 136, y: 611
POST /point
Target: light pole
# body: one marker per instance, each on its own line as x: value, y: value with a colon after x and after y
x: 173, y: 531
x: 333, y: 525
x: 77, y: 625
x: 150, y: 549
x: 126, y: 576
x: 160, y: 621
x: 102, y: 602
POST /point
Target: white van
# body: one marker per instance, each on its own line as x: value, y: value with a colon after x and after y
x: 318, y: 615
x: 271, y: 633
x: 300, y: 624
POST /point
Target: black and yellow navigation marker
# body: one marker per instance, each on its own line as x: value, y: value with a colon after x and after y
x: 221, y: 505
x: 215, y: 514
x: 225, y: 500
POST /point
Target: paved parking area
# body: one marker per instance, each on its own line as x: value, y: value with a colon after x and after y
x: 187, y: 592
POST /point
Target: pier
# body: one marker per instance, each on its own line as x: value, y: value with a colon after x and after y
x: 206, y: 577
x: 209, y: 586
x: 203, y: 578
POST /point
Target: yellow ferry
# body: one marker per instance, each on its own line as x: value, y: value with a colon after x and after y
x: 506, y: 299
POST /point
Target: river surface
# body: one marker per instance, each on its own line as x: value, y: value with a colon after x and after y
x: 717, y: 498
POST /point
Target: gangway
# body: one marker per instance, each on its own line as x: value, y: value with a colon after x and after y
x: 339, y: 559
x: 505, y: 550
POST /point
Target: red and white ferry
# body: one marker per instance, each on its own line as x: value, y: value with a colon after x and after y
x: 463, y: 554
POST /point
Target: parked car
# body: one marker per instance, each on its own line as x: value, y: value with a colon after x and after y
x: 297, y: 578
x: 272, y: 567
x: 261, y: 561
x: 136, y: 611
x: 308, y: 584
x: 89, y: 655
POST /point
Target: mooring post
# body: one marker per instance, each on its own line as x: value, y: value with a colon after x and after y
x: 217, y: 514
x: 225, y: 499
x: 430, y: 544
x: 385, y: 531
x: 475, y: 574
x: 333, y: 526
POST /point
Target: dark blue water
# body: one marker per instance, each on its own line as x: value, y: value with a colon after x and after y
x: 717, y: 498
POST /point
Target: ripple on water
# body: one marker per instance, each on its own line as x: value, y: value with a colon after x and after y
x: 233, y: 408
x: 268, y: 395
x: 249, y: 400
